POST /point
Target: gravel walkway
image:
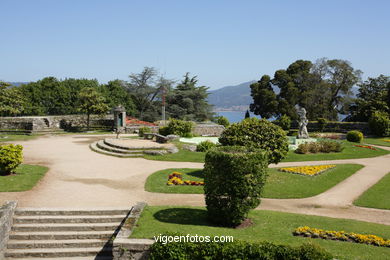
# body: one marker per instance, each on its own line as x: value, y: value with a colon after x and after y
x: 80, y: 178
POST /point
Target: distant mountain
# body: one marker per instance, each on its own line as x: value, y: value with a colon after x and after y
x: 235, y: 98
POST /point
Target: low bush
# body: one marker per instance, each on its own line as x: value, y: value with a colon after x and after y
x: 379, y: 124
x: 144, y: 130
x: 221, y: 120
x: 205, y: 146
x: 355, y: 136
x: 323, y: 146
x: 260, y: 134
x: 10, y: 158
x: 177, y: 127
x: 234, y: 177
x: 235, y: 250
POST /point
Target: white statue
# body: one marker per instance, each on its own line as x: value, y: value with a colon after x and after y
x: 302, y: 132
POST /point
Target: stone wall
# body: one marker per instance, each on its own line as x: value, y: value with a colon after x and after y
x: 125, y: 248
x: 208, y: 129
x: 6, y: 220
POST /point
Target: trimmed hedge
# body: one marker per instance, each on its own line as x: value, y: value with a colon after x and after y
x: 10, y: 158
x: 236, y: 250
x: 355, y: 136
x: 323, y: 146
x: 234, y: 177
x: 256, y: 133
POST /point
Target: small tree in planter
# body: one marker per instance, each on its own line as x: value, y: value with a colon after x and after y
x: 234, y: 178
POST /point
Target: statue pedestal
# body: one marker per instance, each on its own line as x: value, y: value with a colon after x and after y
x: 295, y: 142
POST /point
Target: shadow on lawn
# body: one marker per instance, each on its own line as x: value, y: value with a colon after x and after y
x: 183, y: 216
x: 198, y: 174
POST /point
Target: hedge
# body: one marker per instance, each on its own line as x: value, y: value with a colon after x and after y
x: 234, y: 177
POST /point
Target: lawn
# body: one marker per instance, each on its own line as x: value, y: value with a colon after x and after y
x: 349, y: 152
x: 13, y: 137
x: 279, y: 185
x: 268, y: 226
x: 378, y: 196
x: 377, y: 141
x: 26, y: 178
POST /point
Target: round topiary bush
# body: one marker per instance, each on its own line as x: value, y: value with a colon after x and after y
x: 10, y: 158
x: 234, y: 177
x: 256, y: 133
x: 205, y: 146
x: 380, y: 124
x: 179, y: 127
x: 355, y: 136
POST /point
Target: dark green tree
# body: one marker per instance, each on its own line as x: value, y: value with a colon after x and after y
x: 247, y: 115
x: 115, y: 93
x: 91, y: 102
x: 265, y: 102
x: 188, y: 101
x: 372, y: 96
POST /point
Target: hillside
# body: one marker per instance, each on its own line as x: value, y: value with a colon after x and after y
x: 231, y: 97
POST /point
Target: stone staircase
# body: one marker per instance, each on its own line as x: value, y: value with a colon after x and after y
x: 64, y: 234
x: 124, y: 151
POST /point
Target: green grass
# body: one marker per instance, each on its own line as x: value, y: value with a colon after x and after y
x: 378, y: 196
x: 270, y: 226
x: 26, y: 177
x: 279, y: 185
x: 377, y: 141
x: 349, y: 152
x: 13, y: 137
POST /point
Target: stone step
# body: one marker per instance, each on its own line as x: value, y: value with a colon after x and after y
x: 33, y: 227
x: 67, y: 243
x: 68, y: 219
x: 57, y: 252
x: 60, y: 235
x: 67, y: 212
x: 102, y: 145
x: 94, y: 148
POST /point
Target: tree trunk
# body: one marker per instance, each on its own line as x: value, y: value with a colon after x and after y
x: 87, y: 121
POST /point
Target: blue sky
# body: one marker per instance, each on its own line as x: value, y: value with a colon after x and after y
x: 223, y: 42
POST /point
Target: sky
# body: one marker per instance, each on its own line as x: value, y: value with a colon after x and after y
x: 222, y: 42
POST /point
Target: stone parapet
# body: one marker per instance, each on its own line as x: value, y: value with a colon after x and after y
x: 6, y: 221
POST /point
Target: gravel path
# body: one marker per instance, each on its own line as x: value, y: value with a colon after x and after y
x: 80, y: 178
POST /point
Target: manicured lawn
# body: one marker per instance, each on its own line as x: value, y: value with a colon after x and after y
x: 268, y: 226
x: 378, y: 196
x: 25, y: 178
x: 13, y: 137
x: 349, y: 152
x: 377, y: 141
x: 280, y: 185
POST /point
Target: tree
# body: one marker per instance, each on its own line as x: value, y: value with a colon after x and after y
x: 247, y: 115
x: 115, y: 93
x: 372, y: 96
x: 322, y: 88
x: 188, y: 101
x: 12, y: 102
x: 91, y: 101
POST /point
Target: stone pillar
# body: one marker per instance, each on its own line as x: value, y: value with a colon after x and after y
x: 119, y: 117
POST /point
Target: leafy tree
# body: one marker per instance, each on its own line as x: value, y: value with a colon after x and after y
x: 188, y: 101
x: 115, y: 93
x: 322, y: 88
x: 372, y: 96
x: 12, y: 102
x: 91, y: 102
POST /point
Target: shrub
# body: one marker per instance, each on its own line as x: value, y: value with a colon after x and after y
x: 144, y: 130
x: 179, y: 127
x: 379, y: 124
x: 324, y: 146
x: 163, y: 130
x: 221, y: 120
x: 235, y: 250
x: 355, y: 136
x: 205, y: 146
x: 234, y: 177
x: 322, y: 124
x: 284, y: 122
x: 10, y: 158
x: 256, y: 133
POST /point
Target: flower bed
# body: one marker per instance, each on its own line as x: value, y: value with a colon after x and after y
x: 176, y: 178
x: 387, y: 140
x: 308, y: 170
x: 342, y: 236
x: 365, y: 146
